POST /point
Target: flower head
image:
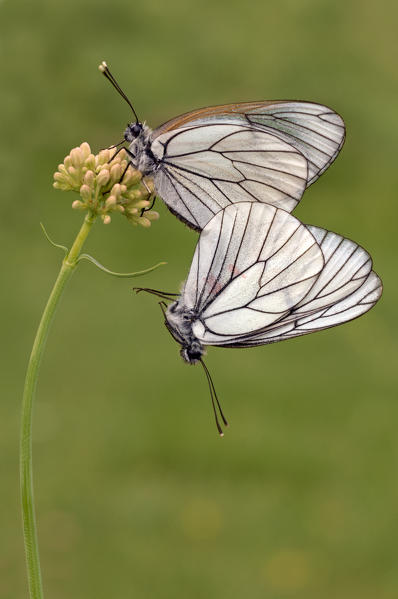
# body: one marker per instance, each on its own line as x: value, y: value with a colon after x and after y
x: 106, y: 184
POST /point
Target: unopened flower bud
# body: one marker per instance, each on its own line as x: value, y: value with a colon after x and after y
x: 144, y: 221
x: 116, y: 172
x: 120, y: 156
x: 62, y: 186
x: 102, y: 158
x: 116, y: 190
x: 152, y: 214
x: 77, y: 157
x: 111, y: 201
x: 132, y: 176
x: 85, y: 150
x: 134, y: 194
x: 103, y: 177
x: 106, y: 219
x: 78, y: 205
x: 141, y: 204
x: 90, y: 162
x: 89, y: 178
x: 85, y: 192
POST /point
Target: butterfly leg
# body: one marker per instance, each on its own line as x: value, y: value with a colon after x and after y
x: 124, y: 172
x: 119, y: 150
x: 143, y: 210
x: 114, y: 145
x: 130, y: 163
x: 151, y: 196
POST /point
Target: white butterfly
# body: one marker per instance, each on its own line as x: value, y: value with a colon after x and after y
x: 259, y: 276
x: 206, y: 159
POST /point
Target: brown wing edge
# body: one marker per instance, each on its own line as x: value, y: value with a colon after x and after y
x: 237, y: 108
x: 225, y: 109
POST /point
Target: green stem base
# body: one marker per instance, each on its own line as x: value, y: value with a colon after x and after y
x: 26, y: 479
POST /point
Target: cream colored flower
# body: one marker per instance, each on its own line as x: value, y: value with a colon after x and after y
x: 106, y: 185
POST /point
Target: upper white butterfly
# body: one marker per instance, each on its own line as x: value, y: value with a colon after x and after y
x: 206, y: 159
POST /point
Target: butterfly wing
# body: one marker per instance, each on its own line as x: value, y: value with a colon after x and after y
x: 345, y: 289
x: 317, y: 131
x: 353, y: 306
x: 253, y: 151
x: 252, y: 265
x: 205, y: 168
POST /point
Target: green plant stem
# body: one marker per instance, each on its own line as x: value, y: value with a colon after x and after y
x: 26, y: 479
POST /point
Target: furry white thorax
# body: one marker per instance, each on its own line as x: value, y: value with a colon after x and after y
x: 140, y: 147
x: 179, y: 321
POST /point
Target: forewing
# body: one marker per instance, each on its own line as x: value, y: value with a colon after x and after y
x: 317, y: 131
x: 252, y: 264
x: 206, y: 167
x: 345, y: 289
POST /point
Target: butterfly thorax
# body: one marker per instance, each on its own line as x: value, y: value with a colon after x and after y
x: 179, y: 321
x: 139, y: 137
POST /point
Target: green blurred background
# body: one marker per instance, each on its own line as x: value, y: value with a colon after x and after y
x: 136, y: 494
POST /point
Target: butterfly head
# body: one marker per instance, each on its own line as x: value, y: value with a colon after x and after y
x: 192, y: 353
x: 180, y: 321
x: 132, y: 131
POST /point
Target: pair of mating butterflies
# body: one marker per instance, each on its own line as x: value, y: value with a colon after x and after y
x: 258, y: 275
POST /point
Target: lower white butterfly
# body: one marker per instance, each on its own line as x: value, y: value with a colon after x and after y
x: 259, y: 276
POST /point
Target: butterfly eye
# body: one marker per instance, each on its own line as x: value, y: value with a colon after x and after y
x: 136, y: 129
x: 132, y: 131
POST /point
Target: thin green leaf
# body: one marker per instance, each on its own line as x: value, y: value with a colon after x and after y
x: 125, y: 275
x: 56, y: 245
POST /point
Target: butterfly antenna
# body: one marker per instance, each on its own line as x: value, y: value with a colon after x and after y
x: 214, y: 400
x: 103, y: 67
x: 163, y: 294
x: 215, y: 394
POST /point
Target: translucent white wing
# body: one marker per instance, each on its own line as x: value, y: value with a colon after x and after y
x: 252, y: 265
x: 204, y: 168
x: 315, y: 130
x: 252, y: 151
x: 345, y: 289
